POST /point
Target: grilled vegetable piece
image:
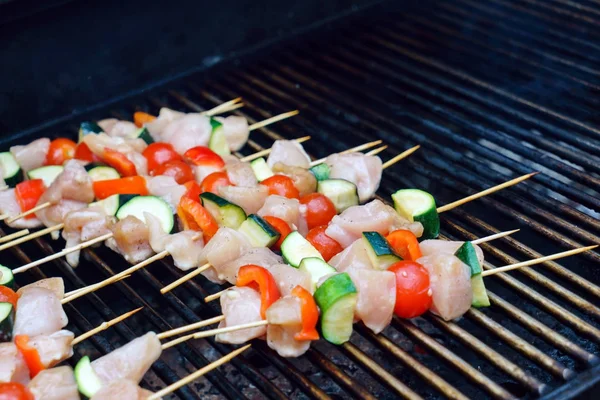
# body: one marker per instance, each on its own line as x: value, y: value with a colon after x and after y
x: 317, y: 268
x: 135, y: 185
x: 7, y: 321
x: 99, y: 172
x: 259, y: 232
x: 379, y: 250
x: 337, y: 298
x: 320, y: 171
x: 467, y: 254
x: 6, y: 277
x: 261, y: 170
x: 418, y: 205
x: 143, y: 134
x: 88, y: 381
x: 156, y: 206
x: 295, y: 248
x: 226, y: 213
x: 47, y: 174
x: 10, y: 169
x: 218, y: 141
x: 342, y: 193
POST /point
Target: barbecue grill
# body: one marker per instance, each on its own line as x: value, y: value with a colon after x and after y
x: 491, y: 90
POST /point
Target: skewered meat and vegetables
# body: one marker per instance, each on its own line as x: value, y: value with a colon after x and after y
x: 240, y: 305
x: 39, y: 312
x: 55, y: 384
x: 288, y: 152
x: 12, y: 364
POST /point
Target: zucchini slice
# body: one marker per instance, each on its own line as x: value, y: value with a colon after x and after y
x: 6, y: 277
x: 156, y: 206
x: 48, y: 173
x: 261, y: 170
x: 143, y: 134
x: 7, y: 321
x: 87, y: 128
x: 218, y: 141
x: 321, y: 171
x: 342, y: 193
x: 467, y: 254
x: 295, y: 248
x: 99, y: 172
x: 110, y: 205
x: 317, y: 268
x: 258, y: 231
x: 418, y: 205
x: 11, y: 170
x: 337, y: 298
x: 379, y: 251
x: 88, y: 382
x: 226, y: 213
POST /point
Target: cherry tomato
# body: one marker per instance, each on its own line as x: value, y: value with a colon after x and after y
x: 83, y: 152
x: 178, y: 169
x: 158, y: 154
x: 15, y: 391
x: 323, y: 243
x: 282, y: 186
x: 280, y: 226
x: 214, y: 181
x: 319, y: 209
x: 61, y: 150
x: 203, y: 156
x: 7, y: 295
x: 413, y: 296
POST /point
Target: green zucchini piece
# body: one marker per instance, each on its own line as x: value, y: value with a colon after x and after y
x: 7, y: 322
x: 218, y: 141
x: 226, y: 213
x: 295, y: 248
x: 98, y: 172
x: 88, y: 382
x: 138, y: 205
x: 143, y: 134
x: 110, y: 205
x: 467, y: 254
x: 11, y: 170
x: 379, y: 250
x: 418, y: 205
x: 258, y: 231
x: 6, y: 277
x: 317, y: 268
x: 337, y: 298
x: 261, y: 170
x: 342, y: 193
x: 87, y: 128
x: 48, y: 173
x: 321, y: 171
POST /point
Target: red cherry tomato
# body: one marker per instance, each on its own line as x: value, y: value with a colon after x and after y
x: 282, y: 186
x: 83, y: 152
x: 15, y: 391
x: 280, y: 226
x: 61, y: 150
x: 203, y: 156
x: 319, y: 209
x: 326, y: 245
x: 7, y: 295
x: 413, y: 297
x: 178, y: 169
x: 158, y: 154
x: 214, y: 181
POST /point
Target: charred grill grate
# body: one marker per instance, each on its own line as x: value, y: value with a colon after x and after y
x: 492, y: 90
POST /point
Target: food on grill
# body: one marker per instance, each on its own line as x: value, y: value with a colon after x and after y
x: 48, y: 350
x: 376, y: 297
x: 55, y: 384
x: 295, y: 248
x: 39, y: 312
x: 362, y: 170
x: 185, y: 247
x: 467, y: 253
x: 131, y: 239
x: 30, y: 156
x: 250, y: 199
x: 124, y: 389
x: 288, y: 152
x: 83, y: 225
x: 10, y: 206
x: 303, y: 179
x: 227, y: 245
x: 285, y: 324
x: 12, y: 364
x: 240, y: 305
x: 419, y: 206
x: 10, y: 169
x: 240, y: 173
x: 379, y: 250
x: 259, y: 232
x: 337, y: 298
x: 225, y: 213
x: 286, y: 209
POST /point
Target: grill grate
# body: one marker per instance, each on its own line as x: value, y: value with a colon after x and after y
x: 491, y: 91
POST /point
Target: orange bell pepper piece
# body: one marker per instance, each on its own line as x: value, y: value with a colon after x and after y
x: 30, y: 354
x: 261, y: 280
x: 310, y: 315
x: 405, y: 244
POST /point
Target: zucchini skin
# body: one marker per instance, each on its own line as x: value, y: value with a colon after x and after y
x: 338, y: 288
x: 10, y: 282
x: 7, y: 324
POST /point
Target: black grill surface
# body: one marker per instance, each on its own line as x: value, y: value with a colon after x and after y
x: 491, y: 90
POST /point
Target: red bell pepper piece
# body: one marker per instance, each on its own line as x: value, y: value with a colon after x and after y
x: 203, y: 156
x: 310, y: 315
x: 7, y: 295
x: 83, y: 152
x: 15, y: 391
x: 280, y: 226
x: 405, y: 244
x: 214, y: 181
x: 28, y: 194
x: 195, y: 217
x: 193, y: 191
x: 120, y: 162
x: 261, y: 280
x: 130, y: 185
x: 141, y: 118
x: 30, y: 354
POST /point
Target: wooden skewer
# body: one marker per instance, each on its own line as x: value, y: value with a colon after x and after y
x: 66, y: 251
x: 400, y: 156
x: 195, y: 375
x: 376, y: 151
x: 351, y: 150
x: 185, y: 278
x: 272, y: 120
x: 267, y: 151
x: 494, y: 236
x: 72, y: 292
x: 213, y: 332
x: 103, y: 326
x: 15, y: 235
x: 28, y: 212
x: 31, y: 236
x: 215, y: 296
x: 191, y: 327
x: 3, y: 216
x: 222, y: 108
x: 537, y: 260
x: 491, y: 190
